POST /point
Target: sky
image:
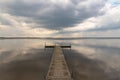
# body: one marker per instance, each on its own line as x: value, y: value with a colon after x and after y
x: 60, y: 18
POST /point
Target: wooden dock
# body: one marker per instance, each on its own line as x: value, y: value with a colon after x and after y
x: 58, y: 69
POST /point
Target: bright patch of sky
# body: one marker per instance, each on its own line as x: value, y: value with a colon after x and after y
x: 114, y: 2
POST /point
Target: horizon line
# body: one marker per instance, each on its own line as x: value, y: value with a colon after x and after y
x: 30, y: 37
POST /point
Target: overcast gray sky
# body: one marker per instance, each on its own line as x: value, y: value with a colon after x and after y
x: 60, y: 18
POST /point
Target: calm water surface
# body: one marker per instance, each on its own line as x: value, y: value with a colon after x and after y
x: 89, y: 59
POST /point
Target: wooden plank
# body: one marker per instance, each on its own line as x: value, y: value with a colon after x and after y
x: 60, y: 46
x: 65, y: 46
x: 49, y: 46
x: 58, y: 69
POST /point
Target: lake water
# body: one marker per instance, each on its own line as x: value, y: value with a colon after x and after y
x: 89, y: 59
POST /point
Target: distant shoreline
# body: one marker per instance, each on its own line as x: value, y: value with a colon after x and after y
x: 60, y: 38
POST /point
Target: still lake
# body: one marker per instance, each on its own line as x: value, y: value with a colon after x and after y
x: 88, y: 59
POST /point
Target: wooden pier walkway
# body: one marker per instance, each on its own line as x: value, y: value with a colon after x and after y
x: 58, y: 69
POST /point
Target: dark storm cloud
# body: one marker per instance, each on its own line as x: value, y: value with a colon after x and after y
x: 50, y: 15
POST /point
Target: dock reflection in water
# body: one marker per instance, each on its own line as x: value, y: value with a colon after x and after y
x: 88, y: 60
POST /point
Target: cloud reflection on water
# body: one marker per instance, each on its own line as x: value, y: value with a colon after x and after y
x: 23, y: 60
x: 102, y: 56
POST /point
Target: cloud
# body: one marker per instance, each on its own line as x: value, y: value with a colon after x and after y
x: 14, y: 26
x: 55, y: 14
x: 59, y: 17
x: 110, y: 20
x: 103, y: 25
